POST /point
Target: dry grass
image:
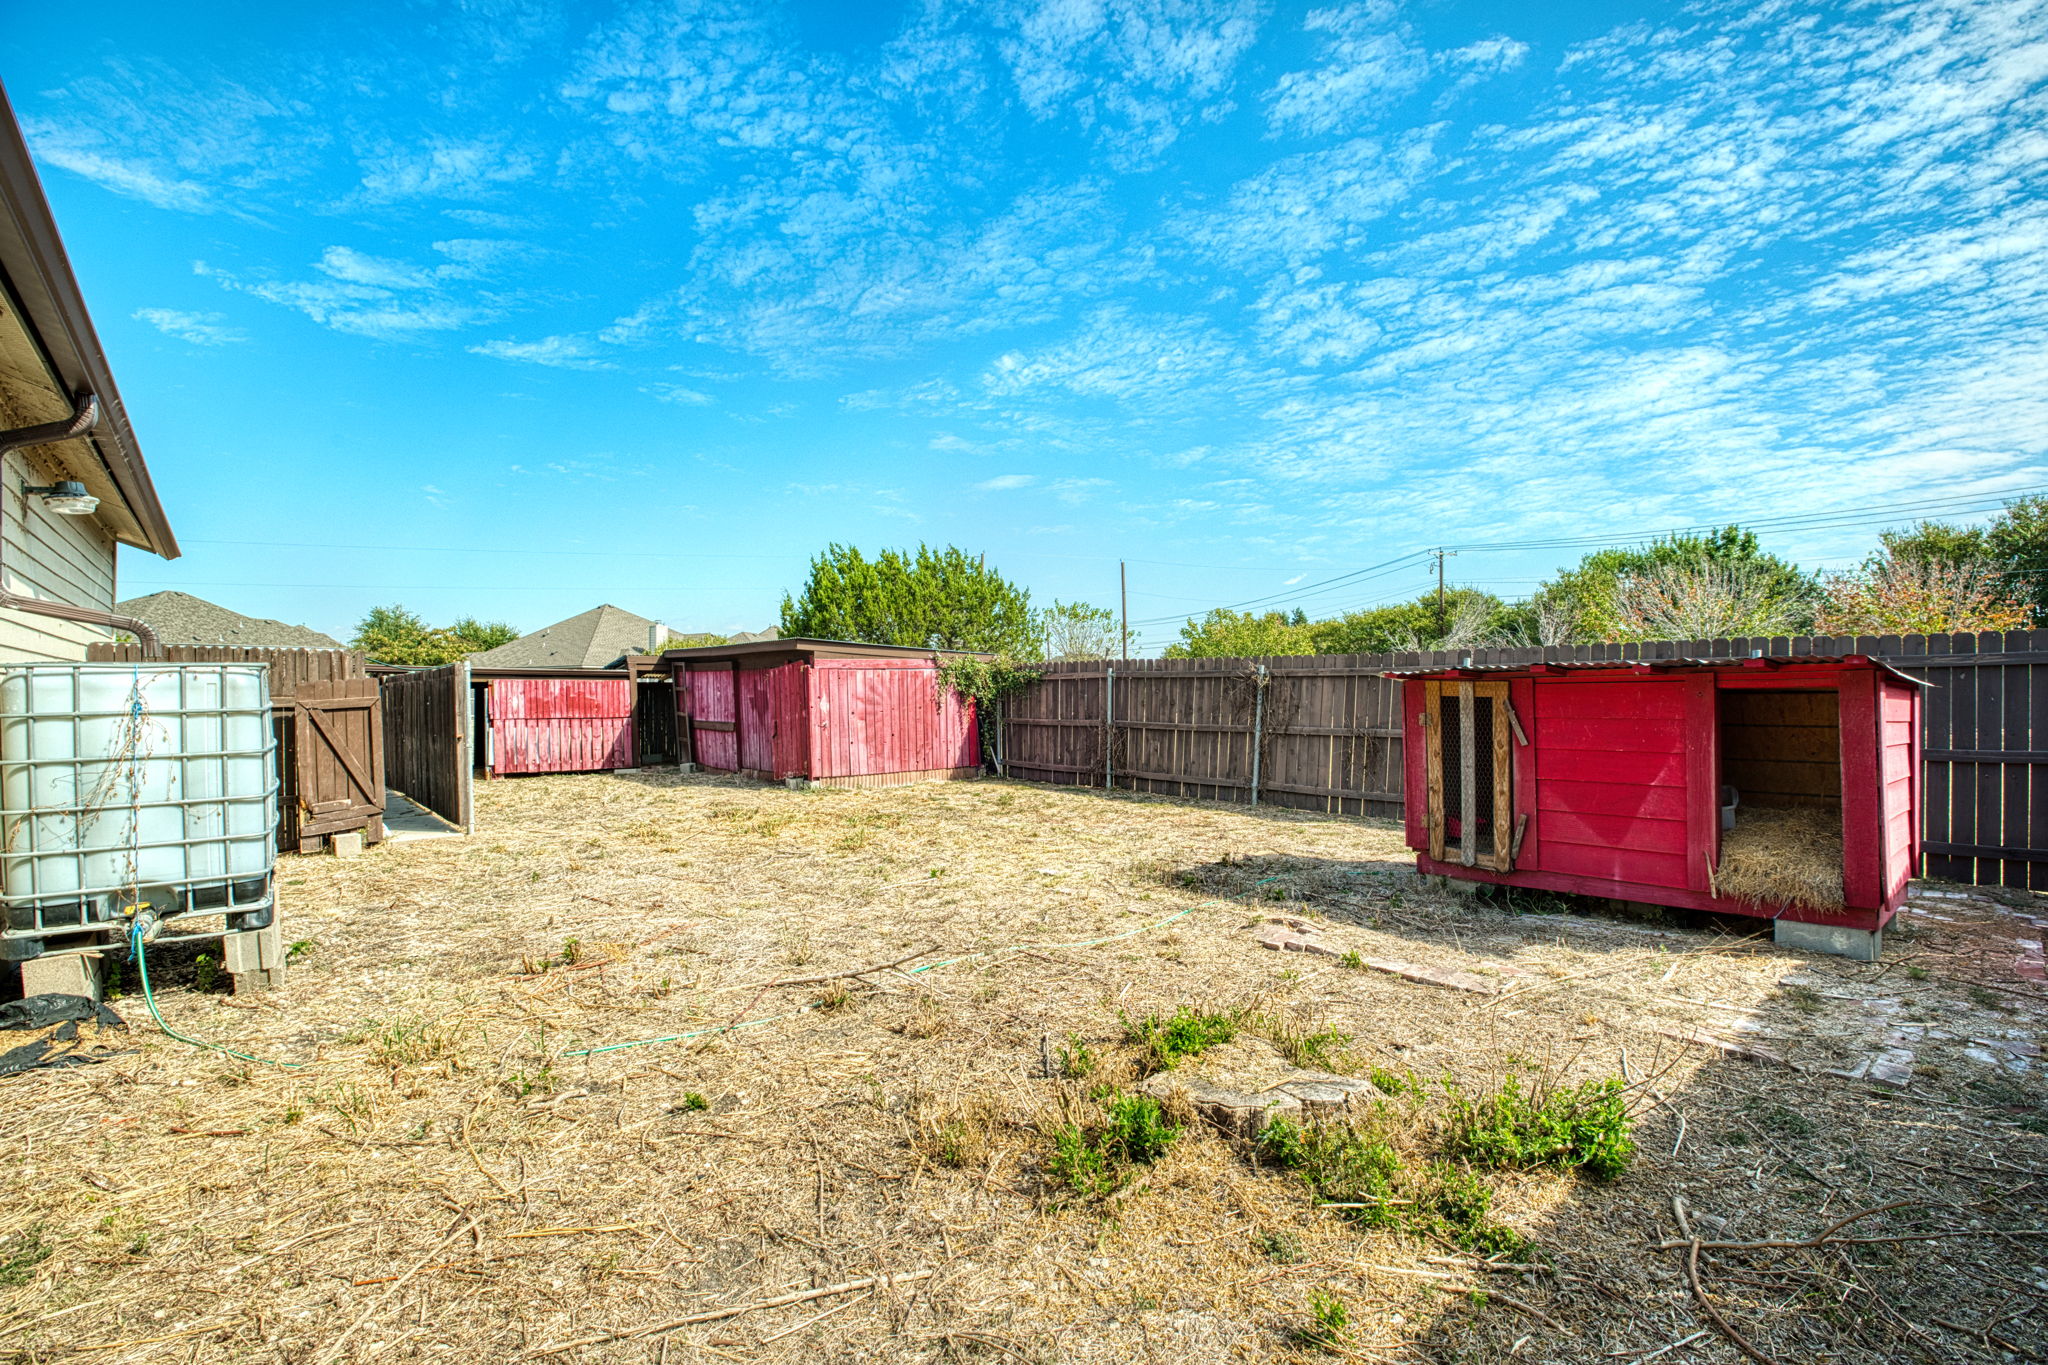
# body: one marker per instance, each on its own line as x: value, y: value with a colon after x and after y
x: 451, y: 1180
x: 1783, y: 856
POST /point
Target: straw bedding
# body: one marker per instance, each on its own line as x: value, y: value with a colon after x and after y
x: 1779, y: 856
x: 449, y: 1182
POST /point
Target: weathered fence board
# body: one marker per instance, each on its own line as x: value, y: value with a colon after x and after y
x: 427, y: 739
x: 1323, y: 732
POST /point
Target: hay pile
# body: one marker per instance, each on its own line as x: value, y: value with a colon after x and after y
x: 1791, y: 857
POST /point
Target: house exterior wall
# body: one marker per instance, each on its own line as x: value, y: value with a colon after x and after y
x: 58, y: 558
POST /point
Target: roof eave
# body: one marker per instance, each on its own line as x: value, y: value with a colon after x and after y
x: 54, y: 312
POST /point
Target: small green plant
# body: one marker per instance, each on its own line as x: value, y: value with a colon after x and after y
x: 408, y: 1042
x: 1986, y: 999
x: 1077, y: 1059
x: 1079, y: 1164
x: 1389, y: 1082
x: 1344, y: 1165
x: 21, y: 1255
x: 1353, y: 959
x: 1790, y: 1122
x: 1165, y: 1042
x: 1311, y: 1049
x: 1457, y: 1204
x: 1278, y: 1246
x: 541, y: 1081
x: 205, y: 973
x: 1917, y: 973
x: 1093, y: 1161
x: 1805, y: 999
x: 297, y: 949
x: 1586, y: 1127
x: 294, y: 1112
x: 834, y: 998
x: 695, y: 1102
x: 1329, y: 1322
x: 572, y: 951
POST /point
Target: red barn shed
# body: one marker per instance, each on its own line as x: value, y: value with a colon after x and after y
x: 825, y: 711
x: 1665, y: 781
x: 553, y: 720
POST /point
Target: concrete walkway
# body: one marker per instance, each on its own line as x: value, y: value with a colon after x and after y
x: 404, y: 820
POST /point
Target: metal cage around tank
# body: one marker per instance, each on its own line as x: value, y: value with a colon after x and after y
x: 134, y: 789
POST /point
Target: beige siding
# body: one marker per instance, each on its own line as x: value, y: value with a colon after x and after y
x: 61, y: 559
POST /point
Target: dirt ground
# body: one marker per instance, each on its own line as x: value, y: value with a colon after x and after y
x: 450, y: 1175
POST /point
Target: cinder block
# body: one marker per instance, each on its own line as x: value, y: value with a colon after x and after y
x: 686, y: 768
x: 68, y: 974
x: 1861, y: 945
x: 348, y: 845
x: 1458, y: 885
x: 254, y: 958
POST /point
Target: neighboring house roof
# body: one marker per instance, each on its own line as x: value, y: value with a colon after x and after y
x: 179, y: 618
x: 592, y: 640
x: 50, y: 354
x: 748, y: 637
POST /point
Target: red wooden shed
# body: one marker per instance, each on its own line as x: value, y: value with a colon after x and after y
x: 1616, y: 780
x: 825, y: 711
x: 553, y: 720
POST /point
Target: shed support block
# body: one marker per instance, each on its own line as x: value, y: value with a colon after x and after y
x: 349, y: 845
x: 802, y: 784
x: 1861, y: 945
x: 1458, y: 885
x: 686, y: 768
x: 62, y: 974
x: 255, y: 958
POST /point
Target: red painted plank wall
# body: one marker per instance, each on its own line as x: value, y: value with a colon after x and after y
x: 757, y: 720
x: 712, y: 696
x: 885, y: 716
x: 1898, y: 752
x: 1611, y: 780
x: 553, y: 725
x: 789, y: 701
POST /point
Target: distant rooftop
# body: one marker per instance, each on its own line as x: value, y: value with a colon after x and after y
x: 590, y: 640
x: 179, y: 618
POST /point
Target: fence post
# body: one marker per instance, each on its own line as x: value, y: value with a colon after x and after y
x: 1108, y: 726
x: 1258, y: 727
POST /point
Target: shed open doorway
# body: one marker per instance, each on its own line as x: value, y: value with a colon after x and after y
x: 1780, y: 752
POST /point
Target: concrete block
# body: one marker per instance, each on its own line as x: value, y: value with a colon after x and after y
x: 349, y: 845
x: 69, y: 974
x: 800, y: 784
x: 686, y: 768
x: 254, y: 959
x: 1860, y: 945
x: 1459, y: 885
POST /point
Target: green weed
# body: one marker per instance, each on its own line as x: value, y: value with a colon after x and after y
x: 408, y: 1042
x: 298, y: 948
x: 1165, y: 1042
x: 1584, y: 1128
x: 695, y: 1102
x: 1310, y: 1049
x: 1094, y: 1160
x: 1283, y: 1247
x: 21, y: 1255
x: 1329, y: 1322
x: 1077, y: 1059
x: 1342, y: 1164
x: 205, y: 973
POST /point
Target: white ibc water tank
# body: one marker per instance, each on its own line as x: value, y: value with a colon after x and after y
x: 127, y: 781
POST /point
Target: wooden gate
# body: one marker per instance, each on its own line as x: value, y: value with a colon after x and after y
x: 337, y: 763
x: 427, y: 740
x: 560, y: 725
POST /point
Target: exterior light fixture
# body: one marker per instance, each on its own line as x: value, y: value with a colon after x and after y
x: 67, y: 498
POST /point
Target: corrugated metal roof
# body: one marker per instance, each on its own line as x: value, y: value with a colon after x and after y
x: 1609, y: 665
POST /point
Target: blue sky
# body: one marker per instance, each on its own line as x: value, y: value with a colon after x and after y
x: 646, y: 302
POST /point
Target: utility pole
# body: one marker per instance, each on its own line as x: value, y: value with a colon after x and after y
x: 1443, y: 615
x: 1123, y: 589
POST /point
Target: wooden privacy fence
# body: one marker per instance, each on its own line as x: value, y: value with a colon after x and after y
x: 1322, y: 732
x: 428, y: 718
x: 327, y: 762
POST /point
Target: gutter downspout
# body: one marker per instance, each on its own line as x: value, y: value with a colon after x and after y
x: 84, y: 417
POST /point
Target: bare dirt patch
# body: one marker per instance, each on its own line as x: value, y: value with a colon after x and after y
x: 898, y: 1166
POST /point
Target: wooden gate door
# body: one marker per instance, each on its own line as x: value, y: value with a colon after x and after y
x: 338, y: 766
x: 427, y: 740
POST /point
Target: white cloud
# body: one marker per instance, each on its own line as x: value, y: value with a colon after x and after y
x: 677, y: 393
x: 445, y: 168
x: 557, y: 352
x: 1369, y: 59
x: 200, y: 329
x: 1003, y: 483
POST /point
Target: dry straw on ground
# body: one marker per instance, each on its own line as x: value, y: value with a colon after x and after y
x: 867, y: 1179
x: 1779, y: 856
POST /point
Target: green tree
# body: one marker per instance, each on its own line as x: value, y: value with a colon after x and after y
x: 393, y: 635
x: 934, y: 599
x: 1591, y: 591
x: 1469, y: 616
x: 474, y: 636
x: 1931, y: 542
x: 2017, y: 540
x: 1075, y: 630
x: 1227, y: 634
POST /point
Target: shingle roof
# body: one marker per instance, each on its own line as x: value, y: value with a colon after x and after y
x: 179, y: 618
x: 591, y: 640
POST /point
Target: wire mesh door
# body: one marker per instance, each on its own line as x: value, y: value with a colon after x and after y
x: 1471, y: 774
